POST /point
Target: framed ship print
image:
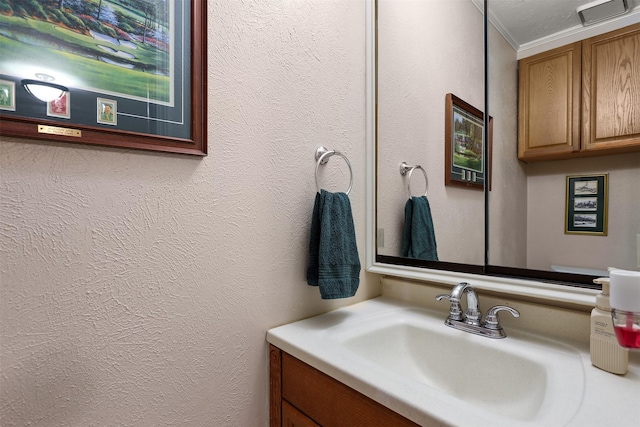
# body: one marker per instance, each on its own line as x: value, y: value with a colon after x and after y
x: 586, y: 205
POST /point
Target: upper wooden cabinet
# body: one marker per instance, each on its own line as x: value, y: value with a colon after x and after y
x: 549, y: 103
x: 611, y: 90
x: 582, y: 99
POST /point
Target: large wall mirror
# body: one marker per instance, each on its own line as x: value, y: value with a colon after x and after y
x: 426, y: 49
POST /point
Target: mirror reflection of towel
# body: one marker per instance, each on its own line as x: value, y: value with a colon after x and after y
x: 334, y: 264
x: 419, y: 237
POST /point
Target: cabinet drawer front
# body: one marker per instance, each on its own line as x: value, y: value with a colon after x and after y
x: 291, y: 417
x: 329, y: 402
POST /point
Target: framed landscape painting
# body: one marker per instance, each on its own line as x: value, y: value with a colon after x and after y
x: 134, y: 72
x: 465, y: 148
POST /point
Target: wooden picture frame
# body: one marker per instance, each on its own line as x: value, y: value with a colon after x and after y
x: 586, y: 204
x: 464, y: 147
x: 152, y: 64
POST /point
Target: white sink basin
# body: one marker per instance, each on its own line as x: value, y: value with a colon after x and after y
x: 507, y: 377
x: 405, y: 357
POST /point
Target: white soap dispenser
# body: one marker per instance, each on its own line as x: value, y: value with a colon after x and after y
x: 606, y: 353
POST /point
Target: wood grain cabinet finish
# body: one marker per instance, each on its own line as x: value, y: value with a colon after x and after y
x: 611, y: 90
x: 582, y: 99
x: 302, y: 396
x: 291, y: 417
x: 549, y: 103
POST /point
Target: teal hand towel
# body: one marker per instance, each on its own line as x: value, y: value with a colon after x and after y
x: 419, y: 237
x: 334, y: 264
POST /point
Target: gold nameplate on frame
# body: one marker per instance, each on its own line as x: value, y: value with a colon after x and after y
x: 55, y: 130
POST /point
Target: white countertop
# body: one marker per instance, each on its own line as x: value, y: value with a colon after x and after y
x: 601, y: 398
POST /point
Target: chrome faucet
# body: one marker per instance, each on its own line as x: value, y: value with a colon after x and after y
x: 470, y: 320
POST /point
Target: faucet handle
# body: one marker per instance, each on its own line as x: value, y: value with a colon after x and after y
x: 455, y: 310
x: 491, y: 318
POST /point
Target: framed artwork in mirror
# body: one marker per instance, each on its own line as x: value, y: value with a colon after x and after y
x: 586, y: 205
x: 465, y: 149
x: 130, y: 77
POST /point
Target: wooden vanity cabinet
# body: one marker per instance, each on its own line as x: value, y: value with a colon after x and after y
x: 302, y: 396
x: 582, y: 99
x: 291, y: 417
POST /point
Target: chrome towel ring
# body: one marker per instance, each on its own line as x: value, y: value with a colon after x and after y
x: 404, y: 168
x: 322, y: 157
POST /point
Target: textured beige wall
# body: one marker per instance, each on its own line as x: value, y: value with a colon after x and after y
x: 547, y: 244
x: 136, y: 288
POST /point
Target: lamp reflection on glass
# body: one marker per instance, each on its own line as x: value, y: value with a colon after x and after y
x: 43, y: 89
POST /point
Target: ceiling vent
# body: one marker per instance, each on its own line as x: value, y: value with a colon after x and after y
x: 601, y: 10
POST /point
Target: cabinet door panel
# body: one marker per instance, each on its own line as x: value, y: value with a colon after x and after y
x: 611, y: 90
x: 549, y: 103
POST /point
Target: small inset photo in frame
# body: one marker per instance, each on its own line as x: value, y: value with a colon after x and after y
x: 60, y: 107
x: 585, y: 220
x: 107, y: 111
x: 7, y: 95
x: 585, y: 188
x: 586, y: 205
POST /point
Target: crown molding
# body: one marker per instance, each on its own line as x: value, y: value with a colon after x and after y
x: 561, y: 38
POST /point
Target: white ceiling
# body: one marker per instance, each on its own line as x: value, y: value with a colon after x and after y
x: 532, y: 26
